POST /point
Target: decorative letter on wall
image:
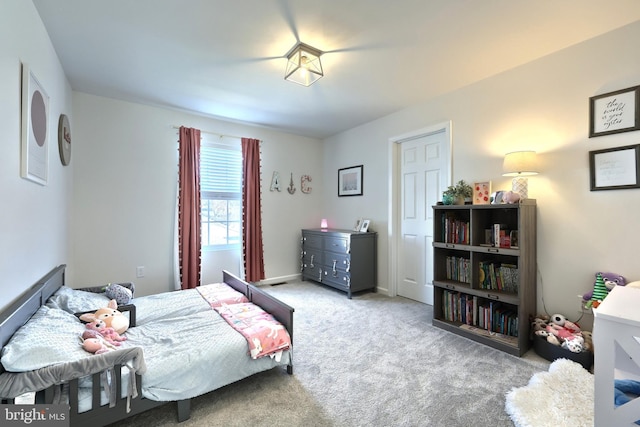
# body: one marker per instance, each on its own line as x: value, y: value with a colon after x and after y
x: 304, y: 180
x: 275, y: 182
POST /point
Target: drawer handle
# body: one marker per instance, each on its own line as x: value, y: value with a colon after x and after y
x: 348, y: 262
x: 334, y: 271
x: 450, y: 287
x: 449, y: 245
x: 496, y: 250
x: 311, y: 262
x: 320, y: 275
x: 493, y: 296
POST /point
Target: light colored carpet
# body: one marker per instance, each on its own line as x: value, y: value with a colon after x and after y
x: 563, y: 396
x: 368, y: 361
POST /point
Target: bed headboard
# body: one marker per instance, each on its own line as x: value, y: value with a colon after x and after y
x: 21, y: 310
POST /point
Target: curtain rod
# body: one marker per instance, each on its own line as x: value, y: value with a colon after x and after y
x: 214, y: 133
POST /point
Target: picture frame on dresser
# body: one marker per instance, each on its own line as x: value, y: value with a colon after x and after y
x: 365, y: 225
x: 350, y: 181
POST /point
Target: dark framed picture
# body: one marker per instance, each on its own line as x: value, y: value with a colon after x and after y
x: 350, y: 181
x: 615, y: 168
x: 614, y: 112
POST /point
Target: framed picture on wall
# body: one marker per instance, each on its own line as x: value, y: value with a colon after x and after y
x: 350, y: 181
x: 35, y: 124
x: 615, y: 168
x: 614, y: 112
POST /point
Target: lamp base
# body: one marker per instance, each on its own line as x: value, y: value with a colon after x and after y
x: 520, y: 185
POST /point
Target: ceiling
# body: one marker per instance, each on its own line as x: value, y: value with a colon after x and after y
x: 226, y: 59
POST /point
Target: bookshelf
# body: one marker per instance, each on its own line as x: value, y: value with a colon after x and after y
x: 485, y: 287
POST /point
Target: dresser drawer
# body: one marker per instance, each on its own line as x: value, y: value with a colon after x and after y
x: 336, y: 244
x: 338, y: 278
x: 333, y: 260
x: 311, y: 257
x: 312, y: 241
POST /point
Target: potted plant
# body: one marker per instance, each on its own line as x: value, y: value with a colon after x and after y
x: 456, y: 194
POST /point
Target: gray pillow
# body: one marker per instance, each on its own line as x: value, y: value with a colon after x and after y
x: 75, y: 301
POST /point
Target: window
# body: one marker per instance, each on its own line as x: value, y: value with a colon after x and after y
x: 221, y: 194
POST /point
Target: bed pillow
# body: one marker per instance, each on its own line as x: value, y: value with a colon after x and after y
x: 51, y: 336
x: 76, y: 301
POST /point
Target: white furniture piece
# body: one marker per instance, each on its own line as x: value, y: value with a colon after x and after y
x: 616, y: 340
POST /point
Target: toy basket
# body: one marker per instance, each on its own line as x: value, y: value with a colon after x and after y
x: 552, y: 352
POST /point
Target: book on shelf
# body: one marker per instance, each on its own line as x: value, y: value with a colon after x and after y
x: 454, y: 230
x: 491, y: 316
x: 498, y: 276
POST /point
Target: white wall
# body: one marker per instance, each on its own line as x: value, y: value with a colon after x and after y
x: 541, y: 106
x: 34, y: 219
x: 125, y: 173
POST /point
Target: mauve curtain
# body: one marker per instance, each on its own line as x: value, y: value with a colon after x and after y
x: 251, y: 211
x: 189, y: 251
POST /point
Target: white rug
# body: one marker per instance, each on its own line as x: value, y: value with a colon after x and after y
x: 564, y: 396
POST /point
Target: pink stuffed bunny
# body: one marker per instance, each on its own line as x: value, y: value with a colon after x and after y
x: 109, y: 334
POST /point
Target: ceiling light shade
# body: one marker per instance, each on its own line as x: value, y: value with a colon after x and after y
x: 520, y: 163
x: 303, y: 65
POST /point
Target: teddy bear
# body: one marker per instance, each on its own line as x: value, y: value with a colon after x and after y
x: 110, y: 316
x: 605, y: 282
x: 109, y: 334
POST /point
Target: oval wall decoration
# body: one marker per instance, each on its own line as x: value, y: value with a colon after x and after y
x: 64, y: 139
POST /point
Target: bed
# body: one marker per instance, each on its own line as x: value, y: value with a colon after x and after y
x: 179, y: 345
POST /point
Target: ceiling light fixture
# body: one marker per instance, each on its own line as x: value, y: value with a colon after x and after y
x: 303, y: 65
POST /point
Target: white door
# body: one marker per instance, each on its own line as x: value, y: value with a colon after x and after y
x: 424, y: 174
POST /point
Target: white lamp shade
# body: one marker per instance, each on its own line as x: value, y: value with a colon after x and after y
x: 520, y: 163
x: 303, y: 65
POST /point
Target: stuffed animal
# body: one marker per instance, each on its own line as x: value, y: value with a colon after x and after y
x: 110, y: 316
x: 574, y: 343
x: 560, y: 320
x: 588, y: 341
x: 95, y: 345
x: 119, y: 293
x: 511, y: 197
x: 109, y: 334
x: 604, y: 283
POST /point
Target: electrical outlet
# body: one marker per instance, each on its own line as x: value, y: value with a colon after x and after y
x: 140, y: 271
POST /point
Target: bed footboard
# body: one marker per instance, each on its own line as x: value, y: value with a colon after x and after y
x: 102, y: 415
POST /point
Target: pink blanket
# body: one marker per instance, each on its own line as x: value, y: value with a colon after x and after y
x: 265, y: 335
x: 218, y: 294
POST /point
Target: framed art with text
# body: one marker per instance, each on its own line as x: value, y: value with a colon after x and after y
x: 614, y: 112
x: 615, y: 168
x: 350, y: 181
x: 35, y: 123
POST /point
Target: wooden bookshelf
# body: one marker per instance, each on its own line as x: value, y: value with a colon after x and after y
x: 484, y: 289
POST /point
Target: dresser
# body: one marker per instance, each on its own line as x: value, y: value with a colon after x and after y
x: 342, y: 259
